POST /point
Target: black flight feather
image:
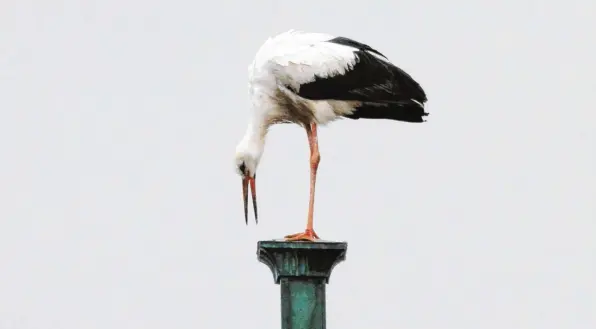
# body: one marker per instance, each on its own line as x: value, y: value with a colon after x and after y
x: 386, y: 91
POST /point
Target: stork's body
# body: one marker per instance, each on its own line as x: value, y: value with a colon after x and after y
x: 311, y: 79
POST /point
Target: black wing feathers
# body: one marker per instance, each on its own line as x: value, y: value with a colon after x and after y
x: 371, y: 79
x: 383, y: 90
x: 355, y: 44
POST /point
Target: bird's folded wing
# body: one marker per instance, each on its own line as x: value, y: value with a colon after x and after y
x: 316, y: 67
x: 301, y: 64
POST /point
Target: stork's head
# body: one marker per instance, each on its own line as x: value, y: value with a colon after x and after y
x: 248, y: 155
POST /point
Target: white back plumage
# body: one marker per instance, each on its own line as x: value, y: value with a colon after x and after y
x: 295, y: 57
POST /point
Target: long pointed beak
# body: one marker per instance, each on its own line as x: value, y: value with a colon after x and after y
x: 245, y: 182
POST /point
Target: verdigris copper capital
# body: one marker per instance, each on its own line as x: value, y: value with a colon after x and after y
x: 297, y: 260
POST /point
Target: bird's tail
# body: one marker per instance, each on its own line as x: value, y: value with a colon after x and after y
x: 407, y: 110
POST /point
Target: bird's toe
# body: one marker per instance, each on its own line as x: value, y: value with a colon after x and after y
x: 308, y: 235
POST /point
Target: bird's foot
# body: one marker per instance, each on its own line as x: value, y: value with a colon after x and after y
x: 308, y: 235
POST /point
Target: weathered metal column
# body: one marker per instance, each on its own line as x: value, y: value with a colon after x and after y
x: 302, y: 269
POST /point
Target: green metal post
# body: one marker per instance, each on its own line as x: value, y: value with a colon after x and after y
x: 302, y: 269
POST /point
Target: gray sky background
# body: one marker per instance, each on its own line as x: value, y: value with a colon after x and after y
x: 120, y: 207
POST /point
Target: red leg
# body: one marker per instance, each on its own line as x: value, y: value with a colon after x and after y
x: 315, y: 157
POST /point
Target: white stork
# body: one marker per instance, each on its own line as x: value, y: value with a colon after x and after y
x: 311, y: 79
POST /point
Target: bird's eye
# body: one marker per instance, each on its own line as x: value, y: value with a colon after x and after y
x: 242, y: 168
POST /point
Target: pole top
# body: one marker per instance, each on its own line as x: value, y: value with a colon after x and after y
x: 301, y: 260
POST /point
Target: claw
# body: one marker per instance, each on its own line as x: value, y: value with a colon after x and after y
x: 308, y: 235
